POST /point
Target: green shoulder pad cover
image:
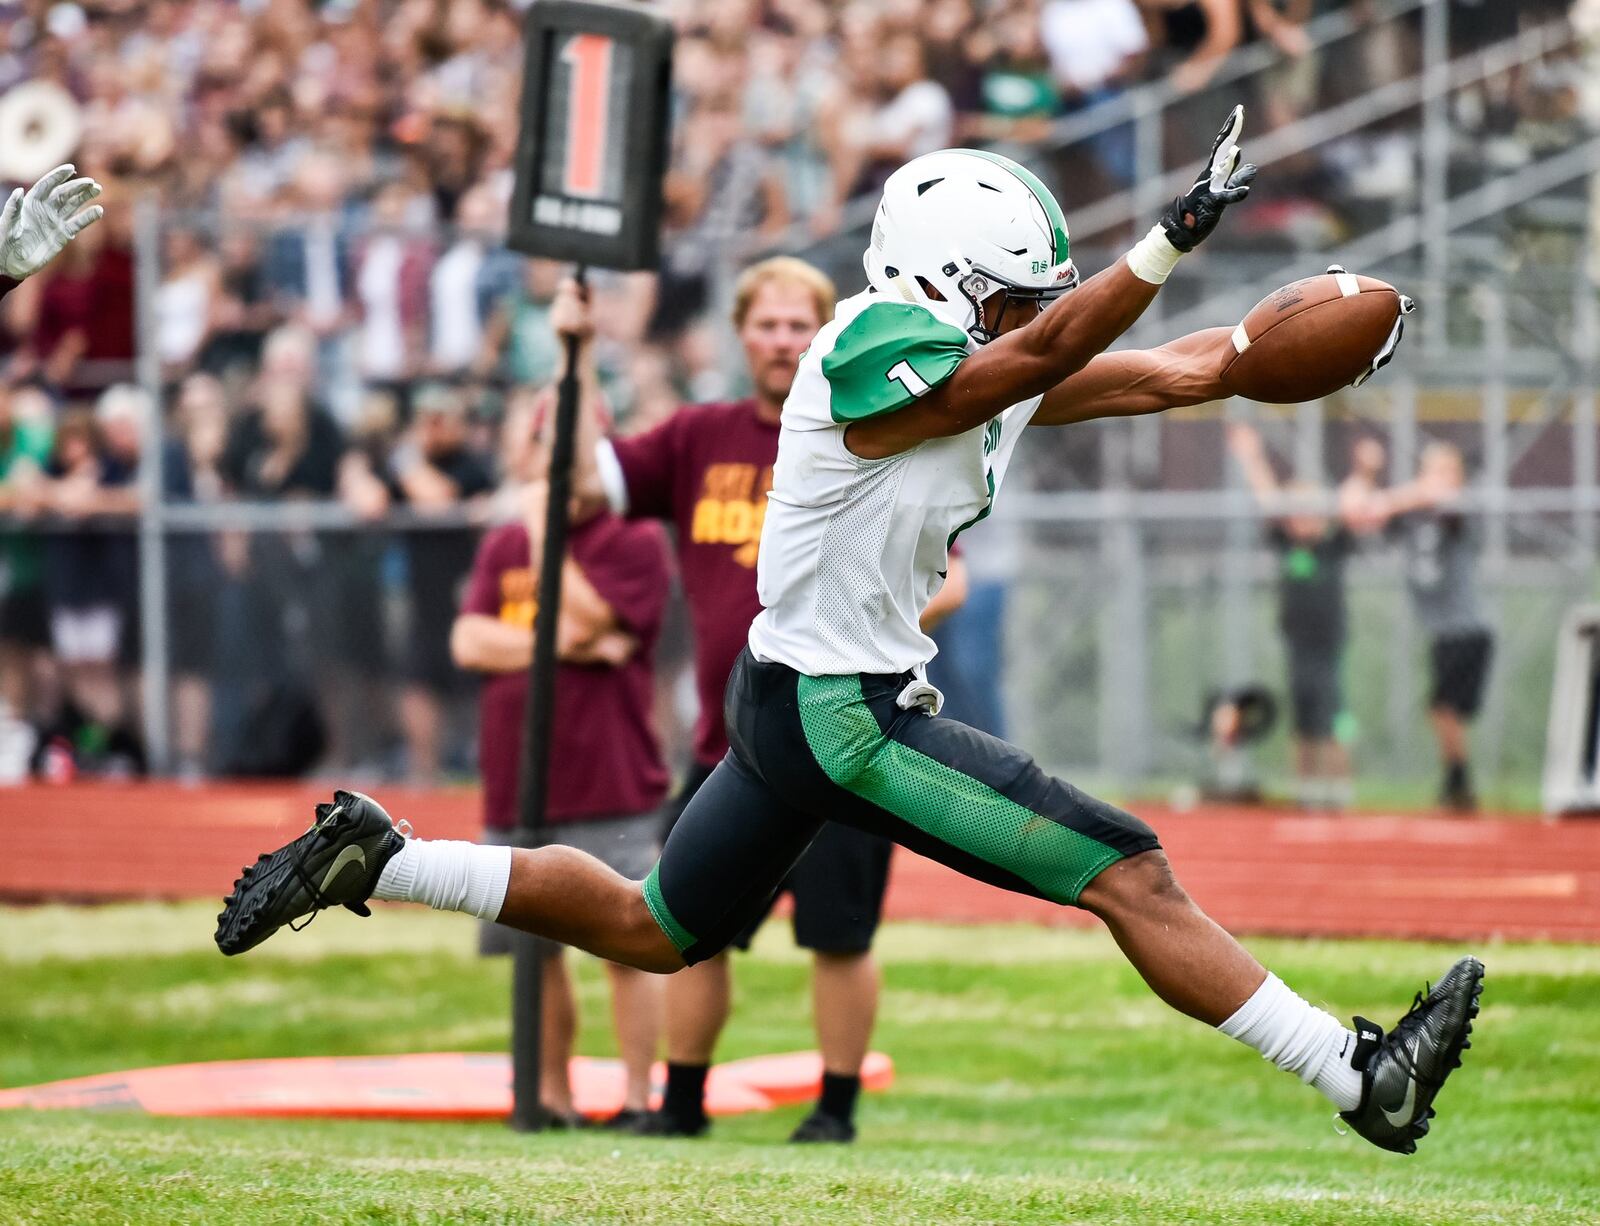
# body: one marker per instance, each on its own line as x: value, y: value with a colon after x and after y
x: 888, y: 356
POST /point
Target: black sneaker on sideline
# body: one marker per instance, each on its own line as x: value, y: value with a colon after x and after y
x: 1401, y: 1072
x: 820, y: 1126
x: 568, y: 1121
x: 335, y: 863
x: 626, y: 1120
x: 660, y: 1124
x: 1456, y: 794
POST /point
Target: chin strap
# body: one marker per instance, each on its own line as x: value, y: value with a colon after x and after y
x: 902, y: 288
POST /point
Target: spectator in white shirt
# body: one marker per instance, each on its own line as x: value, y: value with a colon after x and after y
x: 1096, y: 49
x: 1095, y: 46
x: 465, y: 283
x: 391, y: 286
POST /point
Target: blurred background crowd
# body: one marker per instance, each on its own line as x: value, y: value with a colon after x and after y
x: 336, y: 322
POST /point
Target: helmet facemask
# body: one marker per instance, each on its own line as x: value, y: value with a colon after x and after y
x: 978, y: 286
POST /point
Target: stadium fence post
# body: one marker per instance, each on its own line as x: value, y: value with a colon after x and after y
x: 1585, y: 453
x: 1239, y: 539
x: 1433, y: 202
x: 151, y: 528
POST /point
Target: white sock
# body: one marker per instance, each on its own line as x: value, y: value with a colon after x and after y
x: 1301, y: 1039
x: 448, y: 876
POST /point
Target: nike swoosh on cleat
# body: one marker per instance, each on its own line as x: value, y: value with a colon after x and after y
x: 1401, y: 1117
x: 350, y: 855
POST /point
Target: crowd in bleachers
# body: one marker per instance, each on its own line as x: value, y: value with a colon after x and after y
x: 334, y: 317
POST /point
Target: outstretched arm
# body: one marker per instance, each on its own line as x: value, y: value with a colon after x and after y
x: 1245, y: 443
x: 1061, y: 341
x: 1014, y: 367
x: 1415, y: 495
x: 1136, y: 381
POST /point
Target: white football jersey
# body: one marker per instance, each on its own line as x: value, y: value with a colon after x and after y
x: 852, y: 550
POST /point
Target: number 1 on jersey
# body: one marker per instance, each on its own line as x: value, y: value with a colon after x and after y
x: 909, y: 379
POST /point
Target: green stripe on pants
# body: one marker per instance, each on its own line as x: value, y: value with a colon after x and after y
x: 680, y: 936
x: 940, y: 800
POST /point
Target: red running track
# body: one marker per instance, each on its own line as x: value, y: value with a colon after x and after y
x: 1255, y: 871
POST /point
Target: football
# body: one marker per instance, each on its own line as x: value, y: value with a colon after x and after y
x: 1310, y: 338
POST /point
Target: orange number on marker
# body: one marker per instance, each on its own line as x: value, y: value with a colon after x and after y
x: 589, y: 56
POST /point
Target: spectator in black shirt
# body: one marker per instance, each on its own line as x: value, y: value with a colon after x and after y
x: 92, y: 571
x: 435, y: 471
x: 243, y: 312
x: 286, y: 445
x: 195, y: 576
x: 1312, y: 548
x: 1441, y: 552
x: 307, y: 604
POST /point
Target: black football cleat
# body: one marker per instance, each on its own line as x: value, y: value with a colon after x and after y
x: 335, y: 863
x: 664, y: 1124
x: 821, y: 1127
x: 1402, y: 1071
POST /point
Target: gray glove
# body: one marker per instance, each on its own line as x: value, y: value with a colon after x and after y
x: 1386, y: 353
x: 34, y: 227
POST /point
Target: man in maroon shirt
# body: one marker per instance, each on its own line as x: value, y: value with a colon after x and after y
x: 613, y: 590
x: 707, y: 470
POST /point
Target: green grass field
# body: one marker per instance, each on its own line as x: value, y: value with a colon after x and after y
x: 1038, y: 1082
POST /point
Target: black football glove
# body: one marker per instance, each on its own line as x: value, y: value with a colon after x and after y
x: 1386, y: 353
x: 1195, y: 214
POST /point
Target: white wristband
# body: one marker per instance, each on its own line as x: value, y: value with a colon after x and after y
x: 1154, y: 257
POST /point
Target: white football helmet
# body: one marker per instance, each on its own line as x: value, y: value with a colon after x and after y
x: 957, y: 225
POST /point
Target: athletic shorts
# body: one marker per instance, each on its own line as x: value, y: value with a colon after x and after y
x: 806, y: 750
x: 1316, y: 695
x: 24, y: 618
x: 837, y: 885
x: 627, y: 845
x: 1460, y: 667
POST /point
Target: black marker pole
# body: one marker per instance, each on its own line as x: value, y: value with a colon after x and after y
x: 529, y: 953
x: 607, y: 99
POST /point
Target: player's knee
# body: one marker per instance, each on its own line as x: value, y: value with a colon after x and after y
x: 1136, y: 883
x: 647, y: 946
x: 1149, y: 875
x: 841, y: 959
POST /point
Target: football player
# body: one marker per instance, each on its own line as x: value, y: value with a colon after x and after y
x: 902, y: 421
